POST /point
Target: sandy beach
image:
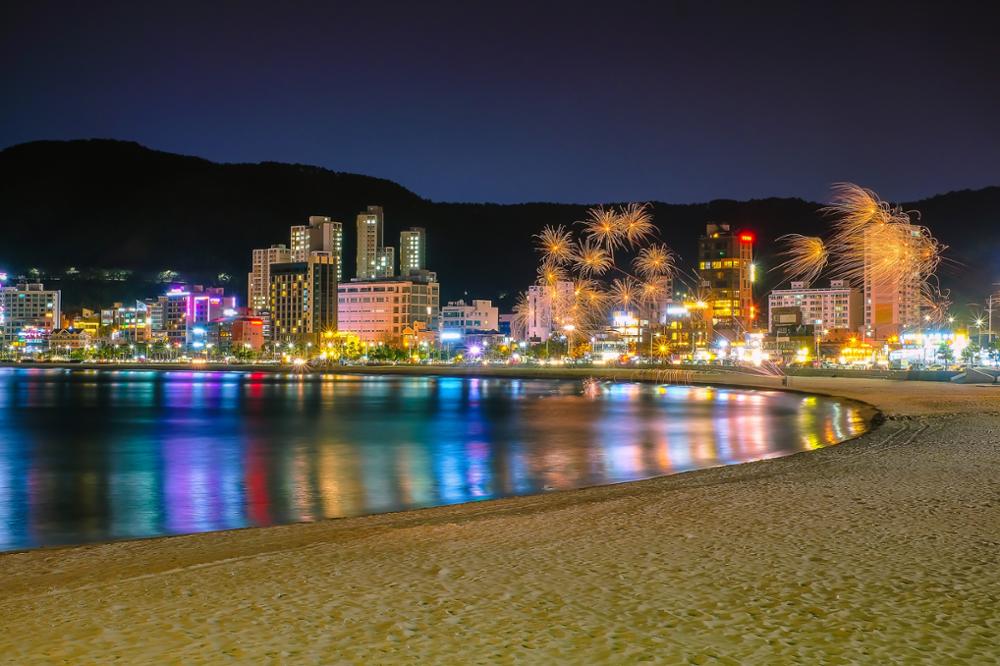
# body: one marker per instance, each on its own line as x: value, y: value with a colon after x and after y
x: 882, y: 549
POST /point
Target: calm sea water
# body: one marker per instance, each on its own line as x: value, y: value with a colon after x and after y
x: 99, y: 455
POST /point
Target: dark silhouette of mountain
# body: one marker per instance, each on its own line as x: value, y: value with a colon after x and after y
x: 115, y: 204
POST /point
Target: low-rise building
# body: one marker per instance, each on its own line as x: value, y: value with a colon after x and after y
x: 837, y: 307
x: 480, y: 315
x: 382, y: 310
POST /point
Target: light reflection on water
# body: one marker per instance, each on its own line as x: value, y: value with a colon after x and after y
x: 97, y: 455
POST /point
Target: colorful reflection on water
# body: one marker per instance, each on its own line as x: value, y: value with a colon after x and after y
x: 100, y: 455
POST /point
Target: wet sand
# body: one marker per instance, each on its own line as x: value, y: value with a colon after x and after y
x: 885, y: 548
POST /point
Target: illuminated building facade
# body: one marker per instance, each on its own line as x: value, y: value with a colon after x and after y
x: 322, y: 234
x: 259, y: 279
x: 371, y: 256
x: 480, y: 315
x: 29, y: 311
x: 543, y: 309
x: 184, y: 314
x: 383, y: 310
x: 837, y: 307
x: 727, y: 274
x: 303, y: 300
x: 229, y: 334
x: 891, y: 305
x: 127, y: 324
x: 412, y: 251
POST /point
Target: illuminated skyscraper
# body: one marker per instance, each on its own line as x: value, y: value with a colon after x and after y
x: 259, y: 279
x: 370, y: 235
x: 412, y: 251
x: 727, y: 274
x: 322, y: 234
x: 892, y: 304
x: 303, y: 298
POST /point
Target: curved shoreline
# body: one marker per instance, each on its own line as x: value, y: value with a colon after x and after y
x: 542, y: 576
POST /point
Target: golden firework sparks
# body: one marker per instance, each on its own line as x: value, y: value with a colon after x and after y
x: 635, y: 223
x: 591, y: 259
x: 602, y: 226
x: 806, y: 257
x: 654, y: 261
x: 555, y: 244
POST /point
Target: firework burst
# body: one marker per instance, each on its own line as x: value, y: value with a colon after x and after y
x: 806, y: 257
x: 555, y: 244
x: 654, y: 261
x: 602, y: 226
x: 591, y: 259
x: 635, y: 223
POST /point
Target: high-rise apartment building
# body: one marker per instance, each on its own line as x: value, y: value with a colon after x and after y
x: 412, y: 251
x: 370, y: 241
x: 385, y: 264
x: 29, y: 312
x: 322, y: 234
x: 892, y: 304
x: 259, y: 279
x: 386, y: 310
x: 836, y: 308
x: 303, y: 298
x: 726, y: 271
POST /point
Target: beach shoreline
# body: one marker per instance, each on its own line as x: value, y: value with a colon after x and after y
x: 665, y: 567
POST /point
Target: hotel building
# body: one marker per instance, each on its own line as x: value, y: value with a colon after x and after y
x: 303, y: 298
x: 837, y: 307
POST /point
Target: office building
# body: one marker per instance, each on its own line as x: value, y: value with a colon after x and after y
x: 303, y: 299
x: 835, y: 308
x: 29, y: 313
x: 259, y: 279
x: 727, y: 274
x: 387, y: 311
x: 479, y: 316
x: 412, y: 251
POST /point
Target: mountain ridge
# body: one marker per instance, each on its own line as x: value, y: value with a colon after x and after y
x: 110, y: 203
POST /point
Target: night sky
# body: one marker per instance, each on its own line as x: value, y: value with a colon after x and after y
x: 466, y: 101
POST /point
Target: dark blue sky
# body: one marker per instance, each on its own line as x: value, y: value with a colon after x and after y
x: 508, y: 102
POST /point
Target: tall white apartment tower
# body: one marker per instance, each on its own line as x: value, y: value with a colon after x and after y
x: 412, y: 251
x: 259, y: 278
x: 370, y: 233
x: 322, y: 234
x: 892, y: 304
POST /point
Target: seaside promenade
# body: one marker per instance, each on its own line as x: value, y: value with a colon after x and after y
x: 881, y: 549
